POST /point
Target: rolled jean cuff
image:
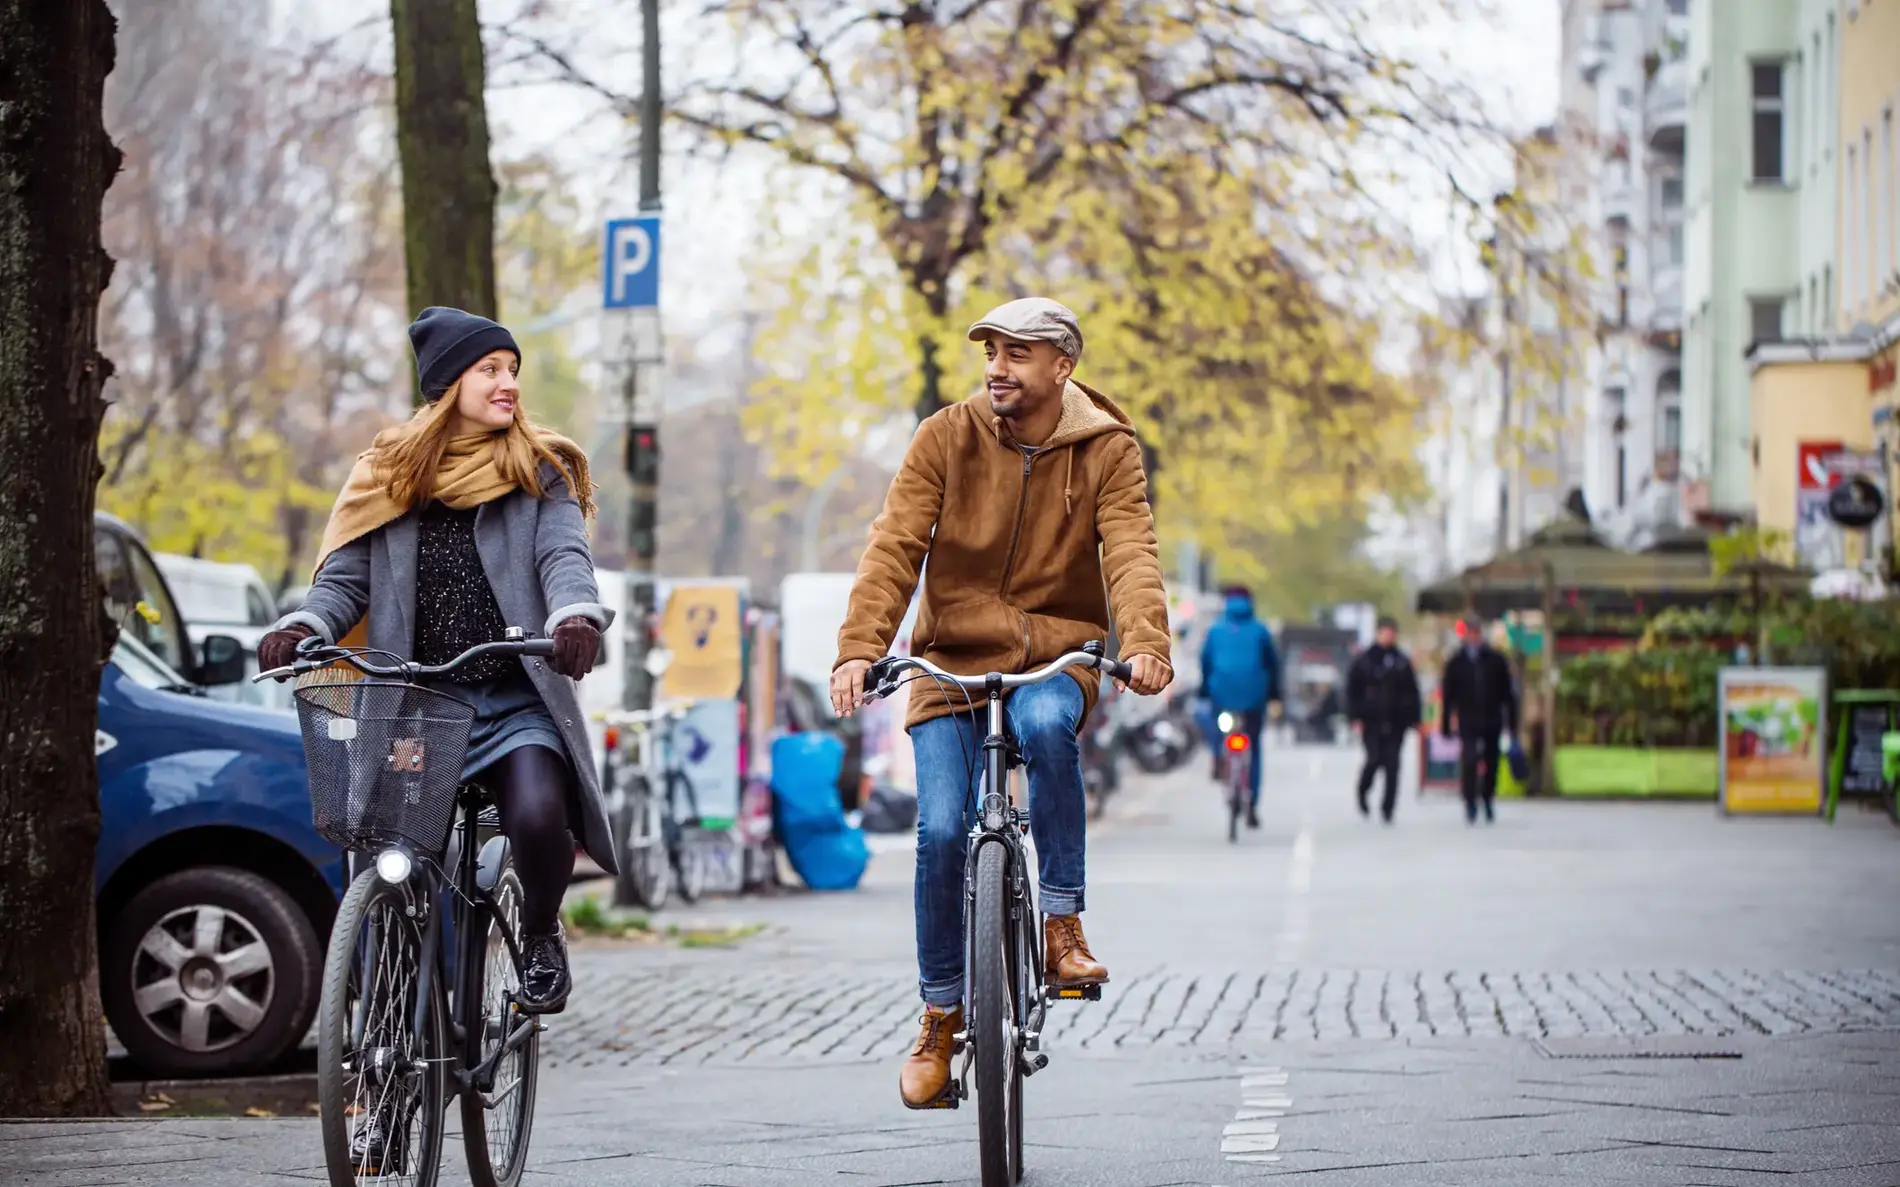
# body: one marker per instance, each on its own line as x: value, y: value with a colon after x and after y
x: 942, y: 994
x: 1056, y: 901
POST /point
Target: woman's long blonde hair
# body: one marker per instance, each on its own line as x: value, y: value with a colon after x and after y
x: 408, y: 461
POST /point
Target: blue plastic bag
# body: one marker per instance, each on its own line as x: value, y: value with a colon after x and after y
x: 1520, y: 766
x: 830, y: 861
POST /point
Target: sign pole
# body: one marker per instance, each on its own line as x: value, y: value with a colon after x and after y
x: 643, y: 406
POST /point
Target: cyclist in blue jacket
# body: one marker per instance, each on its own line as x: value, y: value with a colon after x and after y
x: 1240, y: 674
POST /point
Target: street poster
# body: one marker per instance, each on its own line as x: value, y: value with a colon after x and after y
x: 1773, y: 739
x: 703, y: 634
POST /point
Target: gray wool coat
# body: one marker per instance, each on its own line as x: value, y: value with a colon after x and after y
x: 536, y: 556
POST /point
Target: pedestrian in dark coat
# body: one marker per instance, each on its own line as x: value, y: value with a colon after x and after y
x: 1480, y: 696
x: 1382, y: 699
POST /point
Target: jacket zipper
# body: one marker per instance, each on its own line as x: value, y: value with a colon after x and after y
x: 1009, y: 562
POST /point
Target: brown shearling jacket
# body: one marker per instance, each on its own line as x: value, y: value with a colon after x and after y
x: 1028, y: 549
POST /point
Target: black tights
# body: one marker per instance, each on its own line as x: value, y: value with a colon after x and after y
x: 533, y: 788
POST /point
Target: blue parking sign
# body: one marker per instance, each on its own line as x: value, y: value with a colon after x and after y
x: 632, y: 273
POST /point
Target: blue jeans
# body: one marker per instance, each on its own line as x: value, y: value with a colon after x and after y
x: 1043, y: 718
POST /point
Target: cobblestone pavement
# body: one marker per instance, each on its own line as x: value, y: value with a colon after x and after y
x: 1329, y: 1001
x: 634, y: 1016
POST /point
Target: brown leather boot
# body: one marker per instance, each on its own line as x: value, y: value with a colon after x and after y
x: 926, y: 1075
x: 1067, y: 959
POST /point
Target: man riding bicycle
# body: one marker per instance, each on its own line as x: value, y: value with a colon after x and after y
x: 1240, y: 674
x: 1029, y: 501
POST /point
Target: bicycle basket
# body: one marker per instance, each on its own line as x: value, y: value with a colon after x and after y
x: 385, y: 761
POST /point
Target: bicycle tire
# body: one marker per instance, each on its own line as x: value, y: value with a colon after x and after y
x: 690, y: 865
x: 1236, y: 777
x: 645, y: 873
x: 493, y: 1164
x: 372, y: 902
x: 991, y: 1021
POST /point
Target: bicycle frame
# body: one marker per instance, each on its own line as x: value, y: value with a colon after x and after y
x: 473, y: 906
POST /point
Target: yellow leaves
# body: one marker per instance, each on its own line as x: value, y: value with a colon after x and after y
x: 220, y: 501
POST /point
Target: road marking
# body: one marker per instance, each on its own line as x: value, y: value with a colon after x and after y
x: 1254, y: 1133
x: 1299, y: 886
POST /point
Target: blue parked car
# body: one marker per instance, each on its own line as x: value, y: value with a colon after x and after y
x: 215, y: 894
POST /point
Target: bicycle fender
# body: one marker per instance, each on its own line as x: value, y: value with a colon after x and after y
x: 493, y: 857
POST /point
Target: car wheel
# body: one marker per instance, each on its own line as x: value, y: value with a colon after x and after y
x: 211, y: 969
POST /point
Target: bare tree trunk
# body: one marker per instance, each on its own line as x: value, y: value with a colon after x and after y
x: 56, y: 161
x: 448, y: 189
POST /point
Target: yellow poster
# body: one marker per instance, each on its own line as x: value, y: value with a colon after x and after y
x: 1773, y: 740
x: 702, y: 633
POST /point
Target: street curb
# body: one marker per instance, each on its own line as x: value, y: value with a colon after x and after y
x: 259, y: 1097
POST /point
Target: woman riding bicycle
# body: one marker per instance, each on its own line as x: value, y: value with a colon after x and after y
x: 464, y: 521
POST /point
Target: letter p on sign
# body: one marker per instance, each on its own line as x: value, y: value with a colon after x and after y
x: 632, y: 250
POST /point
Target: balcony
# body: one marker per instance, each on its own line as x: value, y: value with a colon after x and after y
x: 1665, y: 296
x: 1666, y: 107
x: 1619, y: 203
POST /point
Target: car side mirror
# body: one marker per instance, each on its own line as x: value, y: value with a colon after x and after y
x: 222, y: 661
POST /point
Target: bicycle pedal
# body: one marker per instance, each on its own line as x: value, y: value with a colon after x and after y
x: 949, y: 1100
x: 1033, y: 1062
x: 1076, y: 993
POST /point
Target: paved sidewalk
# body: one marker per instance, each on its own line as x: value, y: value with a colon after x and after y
x: 1329, y: 1001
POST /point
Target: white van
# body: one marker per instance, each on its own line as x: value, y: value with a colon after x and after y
x: 219, y: 598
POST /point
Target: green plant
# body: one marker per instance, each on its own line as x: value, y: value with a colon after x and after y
x: 586, y: 916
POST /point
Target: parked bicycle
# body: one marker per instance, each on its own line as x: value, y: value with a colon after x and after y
x: 652, y: 808
x: 1005, y: 998
x: 1237, y: 757
x: 419, y: 1000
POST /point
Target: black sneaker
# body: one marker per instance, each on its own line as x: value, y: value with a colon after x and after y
x: 380, y: 1147
x: 1253, y: 816
x: 544, y: 978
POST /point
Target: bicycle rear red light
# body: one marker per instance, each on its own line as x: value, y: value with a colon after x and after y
x: 612, y: 739
x: 1236, y: 742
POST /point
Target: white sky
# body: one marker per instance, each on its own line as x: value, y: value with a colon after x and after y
x: 717, y: 212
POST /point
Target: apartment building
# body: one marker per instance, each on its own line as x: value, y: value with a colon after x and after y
x: 1828, y: 387
x: 1625, y: 110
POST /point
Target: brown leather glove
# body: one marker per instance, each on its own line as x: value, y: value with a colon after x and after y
x: 279, y: 648
x: 576, y: 647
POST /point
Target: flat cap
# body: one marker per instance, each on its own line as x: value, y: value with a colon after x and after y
x: 1033, y: 319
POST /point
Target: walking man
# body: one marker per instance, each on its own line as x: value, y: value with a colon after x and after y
x: 1480, y: 702
x: 1382, y: 700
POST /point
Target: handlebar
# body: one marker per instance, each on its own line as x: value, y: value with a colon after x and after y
x: 322, y: 655
x: 882, y: 680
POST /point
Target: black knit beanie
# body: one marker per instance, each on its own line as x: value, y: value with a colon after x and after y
x: 448, y: 342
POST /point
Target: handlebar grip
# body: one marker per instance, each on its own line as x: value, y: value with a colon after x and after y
x: 1119, y: 670
x: 537, y: 647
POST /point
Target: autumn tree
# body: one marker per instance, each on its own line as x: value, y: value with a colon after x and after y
x: 448, y: 188
x: 56, y: 162
x: 256, y: 314
x: 1198, y: 180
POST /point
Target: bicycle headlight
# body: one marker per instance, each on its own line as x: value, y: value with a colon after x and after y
x: 1226, y: 722
x: 394, y: 866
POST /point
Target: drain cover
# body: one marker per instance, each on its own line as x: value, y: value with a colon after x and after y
x: 1639, y: 1047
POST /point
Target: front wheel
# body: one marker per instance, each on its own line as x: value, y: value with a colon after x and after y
x: 381, y: 1088
x: 498, y: 1108
x: 639, y: 831
x: 992, y: 1024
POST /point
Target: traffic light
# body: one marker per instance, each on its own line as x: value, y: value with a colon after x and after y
x: 643, y: 473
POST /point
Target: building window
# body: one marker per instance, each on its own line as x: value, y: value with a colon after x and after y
x: 1679, y: 7
x: 1850, y: 235
x: 1889, y: 201
x: 1672, y: 193
x: 1768, y: 110
x: 1675, y: 244
x: 1764, y: 318
x: 1817, y: 134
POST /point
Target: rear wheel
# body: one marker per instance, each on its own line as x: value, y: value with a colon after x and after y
x: 638, y: 829
x: 1236, y: 792
x: 497, y: 1117
x: 992, y: 1025
x: 380, y: 1081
